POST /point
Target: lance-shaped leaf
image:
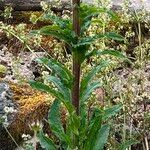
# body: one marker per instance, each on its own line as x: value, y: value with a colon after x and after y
x: 88, y: 78
x: 60, y: 86
x: 109, y: 112
x: 127, y: 144
x: 45, y: 88
x: 62, y: 23
x: 114, y: 16
x: 87, y: 22
x: 42, y: 87
x: 88, y: 40
x: 55, y: 122
x: 57, y: 32
x: 61, y: 71
x: 73, y: 125
x: 92, y: 130
x: 87, y: 10
x: 114, y: 53
x: 101, y: 138
x: 88, y: 91
x: 114, y: 36
x: 46, y: 142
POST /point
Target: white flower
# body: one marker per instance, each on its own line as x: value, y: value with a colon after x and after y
x: 26, y: 137
x: 36, y: 126
x: 9, y: 110
x: 44, y: 5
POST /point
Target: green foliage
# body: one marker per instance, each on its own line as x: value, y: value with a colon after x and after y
x: 80, y: 127
x: 101, y: 138
x: 87, y: 130
x: 62, y: 23
x: 61, y: 29
x: 87, y: 86
x: 55, y: 123
x: 46, y: 142
x: 127, y: 144
x: 87, y: 13
x: 42, y: 87
x: 110, y: 112
x: 92, y: 46
x: 58, y: 69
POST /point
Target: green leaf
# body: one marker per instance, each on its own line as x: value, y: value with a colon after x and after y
x: 87, y: 22
x: 61, y: 87
x: 92, y: 130
x: 87, y: 12
x: 42, y: 87
x: 57, y: 32
x: 90, y: 88
x: 88, y: 78
x: 46, y: 142
x: 114, y: 36
x: 127, y: 144
x: 73, y: 124
x: 114, y: 16
x: 45, y: 88
x: 109, y: 112
x: 62, y: 23
x: 54, y: 117
x: 61, y: 71
x: 114, y: 53
x: 87, y: 40
x: 101, y: 138
x: 55, y: 122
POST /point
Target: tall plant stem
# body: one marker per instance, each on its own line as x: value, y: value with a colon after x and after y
x: 140, y: 43
x: 76, y: 84
x: 76, y: 61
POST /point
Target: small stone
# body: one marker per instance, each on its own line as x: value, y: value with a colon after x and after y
x: 6, y: 100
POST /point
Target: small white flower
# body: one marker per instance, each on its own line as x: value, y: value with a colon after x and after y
x: 9, y: 110
x: 36, y: 125
x: 26, y: 137
x: 44, y: 5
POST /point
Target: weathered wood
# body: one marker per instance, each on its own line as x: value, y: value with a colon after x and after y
x: 34, y: 5
x: 29, y: 5
x: 21, y: 5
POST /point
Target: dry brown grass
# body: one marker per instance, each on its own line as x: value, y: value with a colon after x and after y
x: 32, y: 106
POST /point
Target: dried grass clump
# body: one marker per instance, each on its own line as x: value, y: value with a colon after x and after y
x: 32, y: 106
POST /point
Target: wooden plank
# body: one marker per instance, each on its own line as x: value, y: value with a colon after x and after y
x: 29, y: 5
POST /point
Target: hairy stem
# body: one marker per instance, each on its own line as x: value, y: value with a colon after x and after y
x: 76, y: 83
x: 76, y: 62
